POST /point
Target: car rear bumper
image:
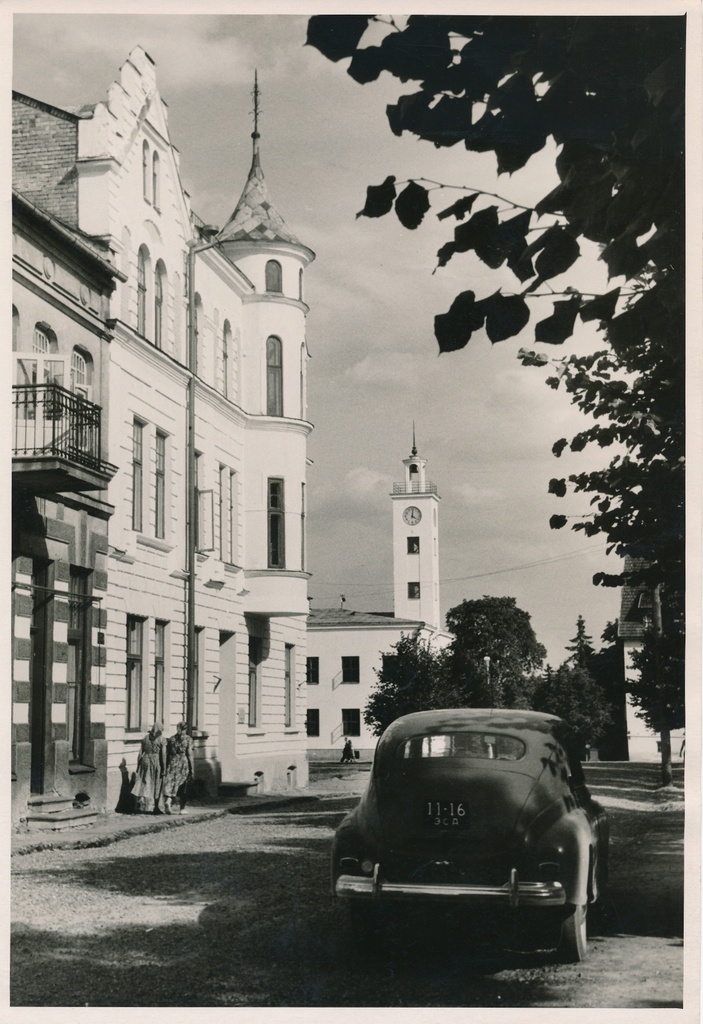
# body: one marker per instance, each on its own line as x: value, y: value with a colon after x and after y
x: 513, y: 893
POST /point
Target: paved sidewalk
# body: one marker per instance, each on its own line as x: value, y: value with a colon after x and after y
x: 111, y: 826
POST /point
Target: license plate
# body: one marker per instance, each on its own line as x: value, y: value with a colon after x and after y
x: 446, y: 814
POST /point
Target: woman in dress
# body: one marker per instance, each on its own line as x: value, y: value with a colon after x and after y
x: 146, y: 788
x: 179, y: 767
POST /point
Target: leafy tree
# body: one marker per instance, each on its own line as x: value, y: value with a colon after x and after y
x: 570, y: 693
x: 494, y: 628
x: 413, y: 677
x: 610, y: 92
x: 582, y: 651
x: 607, y: 670
x: 416, y: 676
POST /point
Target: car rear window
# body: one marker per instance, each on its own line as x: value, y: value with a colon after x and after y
x: 486, y: 745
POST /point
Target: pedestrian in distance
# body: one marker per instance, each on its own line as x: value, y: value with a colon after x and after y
x: 148, y: 779
x: 347, y: 751
x: 179, y: 768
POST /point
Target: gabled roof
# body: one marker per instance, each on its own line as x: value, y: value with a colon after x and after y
x: 255, y: 218
x: 343, y: 618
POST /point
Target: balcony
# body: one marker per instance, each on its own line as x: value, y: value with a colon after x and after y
x: 415, y: 488
x: 273, y: 592
x: 56, y: 441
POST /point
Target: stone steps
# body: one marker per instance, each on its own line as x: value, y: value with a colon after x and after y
x: 49, y: 813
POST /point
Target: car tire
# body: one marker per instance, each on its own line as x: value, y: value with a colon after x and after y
x: 573, y: 941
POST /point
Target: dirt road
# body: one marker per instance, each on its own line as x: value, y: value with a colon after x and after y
x: 235, y: 911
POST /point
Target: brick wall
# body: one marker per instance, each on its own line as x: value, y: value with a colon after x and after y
x: 45, y: 149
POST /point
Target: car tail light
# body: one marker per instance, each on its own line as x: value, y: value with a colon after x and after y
x: 367, y: 866
x: 549, y: 869
x: 349, y: 864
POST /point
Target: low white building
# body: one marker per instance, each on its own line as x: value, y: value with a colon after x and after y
x: 346, y: 647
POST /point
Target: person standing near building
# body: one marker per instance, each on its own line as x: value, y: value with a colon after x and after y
x: 148, y: 781
x: 179, y: 768
x: 347, y: 751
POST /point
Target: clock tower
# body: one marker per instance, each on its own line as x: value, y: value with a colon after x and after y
x: 415, y: 544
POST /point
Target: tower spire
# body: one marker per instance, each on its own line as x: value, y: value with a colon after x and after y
x: 255, y: 95
x: 414, y: 451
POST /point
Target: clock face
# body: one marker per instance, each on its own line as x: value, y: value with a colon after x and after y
x: 412, y: 515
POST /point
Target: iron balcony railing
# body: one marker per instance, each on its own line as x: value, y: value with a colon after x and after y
x: 49, y: 420
x: 415, y: 488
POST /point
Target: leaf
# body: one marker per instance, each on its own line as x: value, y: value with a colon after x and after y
x: 560, y: 251
x: 411, y: 205
x: 336, y: 37
x: 557, y: 522
x: 366, y: 65
x: 475, y: 233
x: 454, y: 328
x: 528, y: 357
x: 379, y: 199
x: 600, y: 307
x: 506, y: 315
x: 559, y: 446
x: 557, y: 486
x: 556, y: 328
x: 460, y: 208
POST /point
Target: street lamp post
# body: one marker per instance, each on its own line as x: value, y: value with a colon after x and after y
x: 191, y: 482
x: 487, y: 663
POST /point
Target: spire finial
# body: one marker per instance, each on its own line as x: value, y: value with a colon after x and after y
x: 414, y: 451
x: 255, y: 94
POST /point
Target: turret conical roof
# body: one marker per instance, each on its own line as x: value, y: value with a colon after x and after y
x: 255, y: 218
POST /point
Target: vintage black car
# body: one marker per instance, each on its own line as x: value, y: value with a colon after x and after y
x: 479, y: 808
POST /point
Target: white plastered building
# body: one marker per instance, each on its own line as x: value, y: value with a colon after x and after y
x: 208, y: 429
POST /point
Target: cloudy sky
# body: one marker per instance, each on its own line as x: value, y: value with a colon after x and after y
x: 485, y: 423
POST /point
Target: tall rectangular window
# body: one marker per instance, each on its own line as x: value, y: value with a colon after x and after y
x: 160, y: 486
x: 159, y: 670
x: 312, y: 671
x: 351, y: 721
x: 413, y: 545
x: 226, y: 514
x: 135, y: 654
x: 289, y: 682
x: 137, y: 474
x: 78, y: 663
x: 414, y: 591
x: 312, y: 722
x: 232, y: 499
x: 255, y: 654
x: 350, y: 669
x: 276, y: 530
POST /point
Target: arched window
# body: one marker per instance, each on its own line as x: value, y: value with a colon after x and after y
x: 142, y: 263
x: 274, y: 377
x: 145, y: 170
x: 300, y: 284
x: 15, y: 329
x: 159, y: 285
x: 81, y: 372
x: 226, y: 349
x: 40, y: 341
x: 155, y: 182
x: 274, y: 276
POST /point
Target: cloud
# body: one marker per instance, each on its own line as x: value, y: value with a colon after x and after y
x: 473, y: 496
x: 363, y: 482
